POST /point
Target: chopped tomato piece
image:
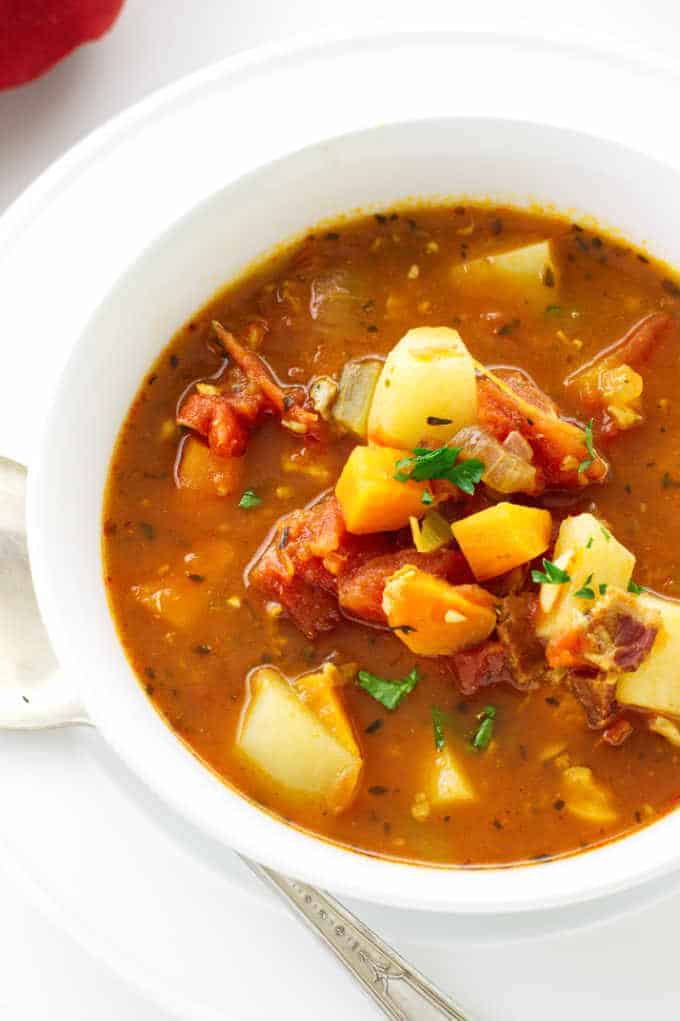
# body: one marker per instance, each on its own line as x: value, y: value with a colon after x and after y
x: 225, y: 419
x: 214, y: 418
x: 559, y: 447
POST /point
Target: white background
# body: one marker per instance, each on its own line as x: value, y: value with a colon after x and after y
x: 43, y: 975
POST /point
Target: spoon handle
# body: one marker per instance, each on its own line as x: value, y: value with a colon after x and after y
x: 395, y: 985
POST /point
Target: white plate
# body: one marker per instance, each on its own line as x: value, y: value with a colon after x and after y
x: 175, y: 914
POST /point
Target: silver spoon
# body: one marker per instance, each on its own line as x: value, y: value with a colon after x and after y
x: 32, y: 698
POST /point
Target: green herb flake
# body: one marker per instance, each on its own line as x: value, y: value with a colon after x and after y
x: 589, y: 543
x: 602, y: 588
x: 553, y: 310
x: 482, y: 737
x: 388, y: 693
x: 250, y: 500
x: 427, y: 498
x: 551, y: 575
x: 588, y: 433
x: 438, y: 728
x: 441, y: 463
x: 635, y: 588
x: 585, y: 592
x: 606, y: 533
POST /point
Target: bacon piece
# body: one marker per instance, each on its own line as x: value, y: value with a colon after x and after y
x: 597, y: 694
x: 482, y: 666
x: 559, y: 446
x: 617, y: 634
x: 225, y: 419
x: 360, y: 590
x: 517, y: 633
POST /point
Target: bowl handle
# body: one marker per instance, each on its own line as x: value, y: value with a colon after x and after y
x: 34, y: 693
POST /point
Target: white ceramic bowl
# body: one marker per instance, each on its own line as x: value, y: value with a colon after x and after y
x: 506, y: 161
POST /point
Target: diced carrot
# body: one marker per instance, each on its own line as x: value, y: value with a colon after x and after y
x: 502, y: 537
x: 204, y: 472
x: 370, y: 497
x: 320, y: 690
x: 434, y: 618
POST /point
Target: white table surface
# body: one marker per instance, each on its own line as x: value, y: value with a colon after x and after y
x: 44, y: 975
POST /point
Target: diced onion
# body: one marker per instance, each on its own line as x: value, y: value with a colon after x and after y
x: 518, y: 445
x: 352, y: 405
x: 504, y: 471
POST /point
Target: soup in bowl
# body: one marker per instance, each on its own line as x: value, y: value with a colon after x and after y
x: 385, y: 527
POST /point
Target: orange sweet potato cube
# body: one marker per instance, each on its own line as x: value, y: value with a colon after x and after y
x: 370, y: 497
x: 434, y: 618
x: 499, y: 538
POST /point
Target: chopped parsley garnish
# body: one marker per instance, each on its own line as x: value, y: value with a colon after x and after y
x: 551, y: 575
x: 635, y: 588
x: 250, y: 500
x: 585, y: 592
x: 441, y: 463
x: 388, y: 693
x: 605, y: 533
x: 589, y: 543
x: 602, y: 588
x: 438, y: 728
x: 427, y: 498
x: 585, y: 465
x: 484, y: 733
x: 553, y: 310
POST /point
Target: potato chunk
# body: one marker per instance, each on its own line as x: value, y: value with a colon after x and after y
x: 499, y: 538
x: 584, y: 797
x: 434, y: 618
x: 426, y: 391
x: 530, y: 270
x: 370, y: 497
x: 585, y: 549
x: 655, y: 684
x: 296, y: 748
x: 448, y: 783
x: 203, y: 472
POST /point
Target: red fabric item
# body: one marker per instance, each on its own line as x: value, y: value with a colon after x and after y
x: 35, y: 34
